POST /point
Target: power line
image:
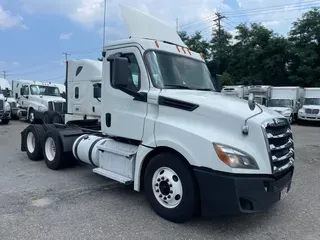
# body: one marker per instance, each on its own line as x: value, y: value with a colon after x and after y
x: 198, y: 25
x: 197, y: 21
x: 268, y: 11
x: 270, y: 7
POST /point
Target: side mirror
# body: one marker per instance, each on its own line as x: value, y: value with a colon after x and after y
x: 97, y: 90
x: 17, y: 96
x: 120, y: 72
x: 217, y: 83
x: 251, y: 102
x: 21, y: 91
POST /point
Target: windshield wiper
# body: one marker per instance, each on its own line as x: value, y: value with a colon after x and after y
x: 177, y: 86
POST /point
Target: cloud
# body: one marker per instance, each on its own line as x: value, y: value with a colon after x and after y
x: 16, y: 63
x: 66, y: 36
x: 9, y: 20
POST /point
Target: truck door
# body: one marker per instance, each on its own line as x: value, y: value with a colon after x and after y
x: 121, y: 114
x: 24, y: 96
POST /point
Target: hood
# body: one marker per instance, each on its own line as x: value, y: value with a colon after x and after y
x: 311, y: 106
x: 50, y: 98
x: 280, y: 109
x: 213, y: 102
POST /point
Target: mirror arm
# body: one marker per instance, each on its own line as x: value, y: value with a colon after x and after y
x: 138, y: 96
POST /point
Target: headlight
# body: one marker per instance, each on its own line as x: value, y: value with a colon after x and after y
x: 8, y: 108
x: 235, y: 158
x: 42, y: 109
x: 18, y: 105
x: 301, y: 111
x: 286, y: 113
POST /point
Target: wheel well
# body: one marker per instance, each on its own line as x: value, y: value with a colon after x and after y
x: 155, y: 152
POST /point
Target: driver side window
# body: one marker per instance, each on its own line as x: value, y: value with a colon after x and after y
x: 24, y: 90
x: 134, y: 80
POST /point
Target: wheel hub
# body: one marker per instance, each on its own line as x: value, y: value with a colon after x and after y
x: 167, y: 187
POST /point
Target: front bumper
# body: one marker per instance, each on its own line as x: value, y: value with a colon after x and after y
x: 5, y: 115
x: 230, y: 194
x: 309, y: 117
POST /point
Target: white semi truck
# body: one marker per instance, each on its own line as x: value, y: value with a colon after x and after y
x: 39, y: 101
x: 83, y: 80
x: 5, y: 89
x: 310, y: 110
x: 239, y: 91
x: 192, y: 149
x: 5, y: 109
x: 286, y: 100
x: 261, y: 93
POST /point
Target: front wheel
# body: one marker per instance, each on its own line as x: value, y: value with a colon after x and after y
x: 32, y: 116
x: 5, y: 121
x: 170, y: 187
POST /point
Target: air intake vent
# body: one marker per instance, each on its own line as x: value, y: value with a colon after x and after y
x: 169, y: 102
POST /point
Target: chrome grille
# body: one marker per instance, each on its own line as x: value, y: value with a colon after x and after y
x: 280, y: 144
x: 13, y: 104
x: 1, y: 105
x: 312, y: 111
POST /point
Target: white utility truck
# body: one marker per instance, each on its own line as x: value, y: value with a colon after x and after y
x: 310, y: 110
x: 239, y: 91
x: 5, y: 110
x: 261, y: 93
x: 84, y: 78
x: 5, y: 89
x: 192, y: 149
x: 39, y: 101
x: 286, y: 100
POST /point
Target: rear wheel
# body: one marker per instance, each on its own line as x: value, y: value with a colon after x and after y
x: 170, y: 187
x: 54, y: 156
x: 34, y: 136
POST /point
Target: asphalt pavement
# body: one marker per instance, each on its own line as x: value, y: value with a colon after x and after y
x: 39, y: 203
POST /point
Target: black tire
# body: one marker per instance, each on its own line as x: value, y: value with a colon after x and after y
x: 32, y: 113
x: 5, y: 121
x: 61, y: 159
x: 46, y: 118
x: 38, y: 133
x: 56, y: 118
x: 188, y: 206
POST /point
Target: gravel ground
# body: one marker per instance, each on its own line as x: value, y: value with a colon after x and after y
x: 38, y: 203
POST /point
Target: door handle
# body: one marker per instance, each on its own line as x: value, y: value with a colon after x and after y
x: 108, y: 119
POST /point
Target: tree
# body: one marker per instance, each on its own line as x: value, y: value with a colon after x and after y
x: 195, y: 43
x: 259, y: 57
x: 304, y: 65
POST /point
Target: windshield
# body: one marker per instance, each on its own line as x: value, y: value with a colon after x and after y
x: 4, y: 92
x: 280, y: 103
x: 173, y: 71
x: 260, y: 100
x: 311, y: 101
x: 44, y: 90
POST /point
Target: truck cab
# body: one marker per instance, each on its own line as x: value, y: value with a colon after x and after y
x: 310, y: 110
x: 39, y: 101
x: 261, y: 93
x: 286, y: 101
x: 6, y: 91
x: 165, y: 129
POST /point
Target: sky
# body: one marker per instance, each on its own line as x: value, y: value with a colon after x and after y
x: 34, y: 34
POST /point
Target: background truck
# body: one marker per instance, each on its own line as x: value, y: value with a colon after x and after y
x: 286, y: 100
x: 310, y: 110
x: 5, y: 110
x: 84, y: 78
x: 239, y: 91
x: 165, y: 129
x: 5, y: 89
x: 39, y: 101
x: 62, y: 89
x: 261, y: 93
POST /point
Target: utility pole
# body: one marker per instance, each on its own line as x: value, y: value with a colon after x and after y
x: 66, y: 56
x: 4, y: 74
x: 104, y: 24
x: 218, y: 21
